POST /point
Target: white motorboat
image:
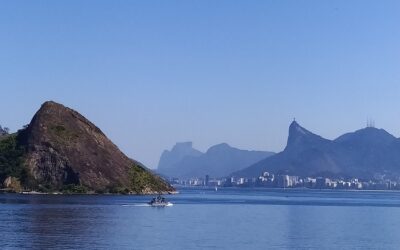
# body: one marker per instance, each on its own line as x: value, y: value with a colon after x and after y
x: 160, y: 202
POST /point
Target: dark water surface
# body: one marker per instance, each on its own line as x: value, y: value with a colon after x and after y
x: 204, y: 219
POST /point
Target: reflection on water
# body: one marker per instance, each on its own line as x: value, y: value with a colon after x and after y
x: 203, y: 219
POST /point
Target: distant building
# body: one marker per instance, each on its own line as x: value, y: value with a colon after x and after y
x: 293, y: 181
x: 196, y: 182
x: 214, y: 183
x: 283, y: 181
x: 322, y: 183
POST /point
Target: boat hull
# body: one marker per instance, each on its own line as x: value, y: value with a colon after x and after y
x: 168, y: 204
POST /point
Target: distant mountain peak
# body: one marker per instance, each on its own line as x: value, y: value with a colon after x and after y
x: 370, y: 131
x: 368, y: 135
x: 183, y: 145
x: 179, y: 151
x: 299, y: 135
x: 296, y: 128
x: 219, y: 147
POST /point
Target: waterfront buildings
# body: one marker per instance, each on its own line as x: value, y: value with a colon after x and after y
x: 269, y: 180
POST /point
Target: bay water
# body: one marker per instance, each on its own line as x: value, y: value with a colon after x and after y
x: 230, y: 218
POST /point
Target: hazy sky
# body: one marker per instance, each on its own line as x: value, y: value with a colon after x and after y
x: 151, y: 73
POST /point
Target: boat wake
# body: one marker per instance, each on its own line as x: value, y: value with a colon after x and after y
x: 145, y: 205
x: 136, y: 205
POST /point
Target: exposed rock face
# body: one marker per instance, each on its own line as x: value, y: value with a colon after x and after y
x: 12, y: 184
x: 64, y: 148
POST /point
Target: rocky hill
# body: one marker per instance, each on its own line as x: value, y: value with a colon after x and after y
x: 62, y: 150
x: 367, y: 153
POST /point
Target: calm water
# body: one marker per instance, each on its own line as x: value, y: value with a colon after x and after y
x: 204, y: 219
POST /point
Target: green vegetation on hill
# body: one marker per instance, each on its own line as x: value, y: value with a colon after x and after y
x: 64, y: 135
x: 11, y: 162
x: 4, y: 131
x: 74, y: 189
x: 142, y: 179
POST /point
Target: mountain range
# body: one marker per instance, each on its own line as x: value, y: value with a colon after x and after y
x: 366, y: 153
x: 184, y: 161
x: 61, y: 150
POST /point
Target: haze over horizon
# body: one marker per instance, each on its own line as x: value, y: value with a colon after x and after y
x: 151, y: 75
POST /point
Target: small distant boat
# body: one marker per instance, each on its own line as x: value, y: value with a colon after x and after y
x: 216, y: 188
x: 160, y: 202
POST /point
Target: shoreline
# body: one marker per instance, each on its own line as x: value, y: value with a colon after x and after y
x: 286, y: 189
x: 297, y: 190
x: 5, y: 191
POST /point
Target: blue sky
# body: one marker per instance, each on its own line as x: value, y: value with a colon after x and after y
x: 151, y: 73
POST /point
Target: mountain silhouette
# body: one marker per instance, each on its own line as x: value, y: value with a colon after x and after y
x: 181, y: 150
x: 219, y: 160
x: 366, y: 153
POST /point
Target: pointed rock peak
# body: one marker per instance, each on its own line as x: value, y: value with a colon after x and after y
x: 55, y: 115
x: 294, y: 123
x: 295, y: 128
x: 300, y: 135
x: 51, y: 105
x: 55, y: 108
